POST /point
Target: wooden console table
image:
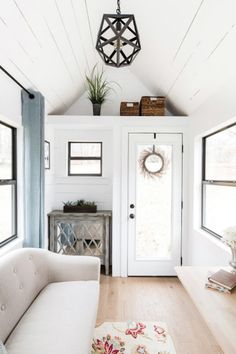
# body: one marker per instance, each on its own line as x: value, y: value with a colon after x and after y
x: 217, y: 309
x: 86, y: 234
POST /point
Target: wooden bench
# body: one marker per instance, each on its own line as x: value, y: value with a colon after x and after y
x: 217, y: 309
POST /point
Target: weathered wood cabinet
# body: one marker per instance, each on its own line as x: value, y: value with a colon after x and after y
x: 85, y: 234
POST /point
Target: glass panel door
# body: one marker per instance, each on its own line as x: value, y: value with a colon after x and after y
x: 154, y: 240
x: 153, y: 211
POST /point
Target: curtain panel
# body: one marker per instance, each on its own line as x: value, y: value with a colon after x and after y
x: 33, y: 118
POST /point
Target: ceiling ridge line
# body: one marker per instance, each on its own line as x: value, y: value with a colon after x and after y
x: 68, y: 38
x: 188, y: 30
x: 27, y: 23
x: 78, y: 30
x: 59, y: 50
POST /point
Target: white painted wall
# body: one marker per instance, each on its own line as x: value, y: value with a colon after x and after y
x: 109, y: 191
x: 217, y: 112
x: 10, y: 101
x: 97, y: 189
x: 127, y: 87
x: 59, y: 186
x: 199, y: 248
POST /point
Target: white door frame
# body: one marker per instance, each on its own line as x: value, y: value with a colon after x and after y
x: 161, y: 265
x: 124, y: 190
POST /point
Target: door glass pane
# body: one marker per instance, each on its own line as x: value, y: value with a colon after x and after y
x: 85, y: 167
x: 5, y: 152
x: 153, y: 196
x: 219, y: 207
x: 86, y: 149
x: 220, y: 161
x: 7, y: 227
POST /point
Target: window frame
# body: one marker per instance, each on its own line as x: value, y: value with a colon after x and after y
x: 73, y: 158
x: 13, y: 182
x: 204, y: 181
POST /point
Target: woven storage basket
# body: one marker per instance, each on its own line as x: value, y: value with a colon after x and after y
x: 129, y: 109
x: 152, y: 106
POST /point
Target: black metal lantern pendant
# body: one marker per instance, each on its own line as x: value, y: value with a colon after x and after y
x: 118, y: 40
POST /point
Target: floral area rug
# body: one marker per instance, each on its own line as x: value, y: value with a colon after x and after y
x: 132, y: 338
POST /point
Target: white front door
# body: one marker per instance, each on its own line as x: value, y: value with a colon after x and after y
x: 155, y: 195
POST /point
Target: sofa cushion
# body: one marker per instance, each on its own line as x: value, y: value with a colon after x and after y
x: 60, y: 320
x: 23, y: 274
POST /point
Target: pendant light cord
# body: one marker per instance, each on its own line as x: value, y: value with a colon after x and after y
x: 118, y: 11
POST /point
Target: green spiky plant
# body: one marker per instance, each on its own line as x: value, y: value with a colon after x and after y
x: 97, y: 86
x: 80, y: 202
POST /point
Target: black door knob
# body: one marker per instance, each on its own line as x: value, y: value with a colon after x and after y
x: 132, y: 216
x: 132, y: 206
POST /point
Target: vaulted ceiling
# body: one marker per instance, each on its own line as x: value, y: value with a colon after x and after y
x: 188, y: 46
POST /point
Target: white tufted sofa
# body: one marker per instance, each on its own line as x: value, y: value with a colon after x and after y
x: 48, y: 302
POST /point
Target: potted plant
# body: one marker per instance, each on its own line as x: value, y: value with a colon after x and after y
x: 79, y: 206
x: 98, y: 89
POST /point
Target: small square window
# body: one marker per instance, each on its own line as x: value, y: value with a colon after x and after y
x: 85, y: 159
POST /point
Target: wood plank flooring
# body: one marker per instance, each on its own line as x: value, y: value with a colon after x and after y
x: 157, y: 299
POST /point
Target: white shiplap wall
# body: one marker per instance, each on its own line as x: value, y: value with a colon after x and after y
x: 216, y: 113
x: 97, y: 189
x: 109, y: 191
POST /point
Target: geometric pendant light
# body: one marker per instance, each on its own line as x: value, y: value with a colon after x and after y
x: 118, y: 40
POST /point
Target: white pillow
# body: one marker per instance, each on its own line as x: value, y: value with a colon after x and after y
x: 2, y: 348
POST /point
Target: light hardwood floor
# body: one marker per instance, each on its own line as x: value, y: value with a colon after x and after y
x: 157, y: 299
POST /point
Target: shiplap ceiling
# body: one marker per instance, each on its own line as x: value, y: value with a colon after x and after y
x: 188, y: 46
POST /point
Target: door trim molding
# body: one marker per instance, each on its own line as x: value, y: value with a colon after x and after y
x: 157, y: 266
x: 126, y: 131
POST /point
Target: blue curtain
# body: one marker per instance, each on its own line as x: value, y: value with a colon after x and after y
x: 33, y: 124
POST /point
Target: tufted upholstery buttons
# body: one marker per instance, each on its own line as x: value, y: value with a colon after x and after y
x: 23, y: 274
x: 3, y: 307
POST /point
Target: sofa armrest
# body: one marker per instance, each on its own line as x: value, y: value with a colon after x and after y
x: 72, y: 268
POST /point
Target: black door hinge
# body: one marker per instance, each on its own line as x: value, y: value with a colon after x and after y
x: 181, y: 261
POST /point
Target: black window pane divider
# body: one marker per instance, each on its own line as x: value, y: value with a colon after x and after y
x: 84, y: 158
